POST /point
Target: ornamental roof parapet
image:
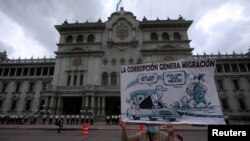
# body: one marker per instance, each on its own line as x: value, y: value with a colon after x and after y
x: 42, y: 60
x: 99, y: 25
x: 222, y: 56
x: 165, y: 23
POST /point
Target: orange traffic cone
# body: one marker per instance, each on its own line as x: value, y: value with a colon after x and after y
x: 141, y: 127
x: 85, y: 129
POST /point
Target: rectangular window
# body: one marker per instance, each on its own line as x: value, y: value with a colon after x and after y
x: 75, y: 80
x: 45, y: 71
x: 1, y: 70
x: 38, y: 71
x: 42, y: 104
x: 6, y: 72
x: 220, y: 85
x: 13, y: 105
x: 242, y: 104
x: 31, y: 87
x: 51, y: 70
x: 4, y: 87
x: 19, y: 72
x: 219, y: 68
x: 236, y: 84
x: 248, y: 67
x: 69, y: 79
x: 32, y: 72
x: 1, y: 103
x: 227, y: 68
x: 113, y: 78
x: 18, y: 85
x: 224, y: 103
x: 105, y: 78
x: 12, y: 71
x: 45, y: 85
x: 28, y: 104
x: 235, y: 67
x: 242, y: 68
x: 81, y: 79
x: 25, y: 71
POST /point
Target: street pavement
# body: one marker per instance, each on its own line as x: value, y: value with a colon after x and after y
x: 95, y: 127
x: 100, y: 132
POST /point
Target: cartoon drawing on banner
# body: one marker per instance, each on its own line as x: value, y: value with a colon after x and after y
x: 181, y: 95
x: 197, y: 90
x: 149, y: 104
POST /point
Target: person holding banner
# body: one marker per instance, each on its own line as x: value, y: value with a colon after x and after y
x: 152, y: 133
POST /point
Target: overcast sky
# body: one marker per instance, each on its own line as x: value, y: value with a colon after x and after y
x: 27, y: 26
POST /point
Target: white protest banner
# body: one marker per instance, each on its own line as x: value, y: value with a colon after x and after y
x: 180, y: 91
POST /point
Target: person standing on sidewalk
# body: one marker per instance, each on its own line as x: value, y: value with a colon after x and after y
x: 152, y: 133
x: 82, y: 119
x: 107, y: 119
x: 44, y: 119
x: 2, y: 118
x: 113, y: 119
x: 35, y: 117
x: 50, y: 119
x: 87, y: 119
x: 68, y: 118
x: 91, y: 119
x: 59, y: 123
x: 77, y: 119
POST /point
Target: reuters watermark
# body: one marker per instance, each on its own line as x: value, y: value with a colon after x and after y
x: 226, y: 131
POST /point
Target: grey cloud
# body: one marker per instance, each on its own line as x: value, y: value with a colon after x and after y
x: 37, y: 18
x: 230, y: 32
x: 5, y: 47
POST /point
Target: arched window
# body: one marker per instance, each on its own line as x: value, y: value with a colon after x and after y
x: 154, y: 36
x: 242, y: 103
x: 131, y: 61
x: 69, y: 39
x: 91, y: 38
x: 105, y: 61
x: 139, y: 61
x: 165, y: 36
x: 224, y: 103
x: 79, y: 39
x: 177, y: 36
x: 113, y: 62
x: 104, y: 78
x: 113, y: 78
x: 122, y: 61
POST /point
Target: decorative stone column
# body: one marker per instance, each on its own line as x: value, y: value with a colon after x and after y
x: 58, y: 109
x: 86, y: 102
x: 46, y: 105
x: 103, y: 105
x: 93, y: 104
x: 83, y: 102
x: 98, y: 105
x: 51, y: 105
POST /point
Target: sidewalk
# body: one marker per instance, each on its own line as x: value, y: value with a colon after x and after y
x: 92, y: 127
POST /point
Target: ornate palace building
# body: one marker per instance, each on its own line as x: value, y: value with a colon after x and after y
x: 85, y: 74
